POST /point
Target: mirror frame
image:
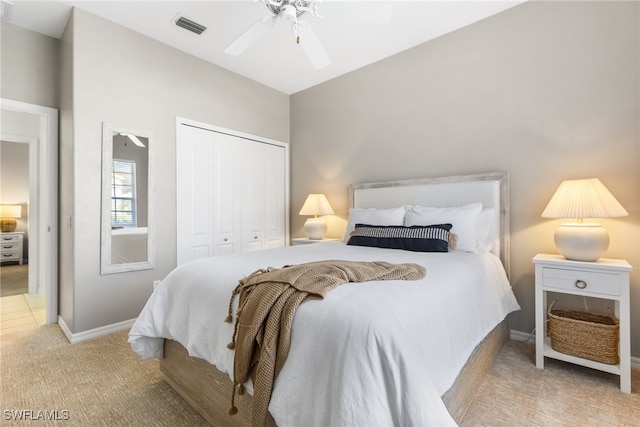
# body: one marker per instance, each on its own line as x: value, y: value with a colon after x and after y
x: 106, y: 266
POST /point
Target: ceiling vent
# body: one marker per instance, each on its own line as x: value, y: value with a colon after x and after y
x: 188, y: 24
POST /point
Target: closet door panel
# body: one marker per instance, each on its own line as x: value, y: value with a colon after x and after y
x: 253, y: 196
x: 194, y: 195
x: 274, y: 200
x: 227, y: 160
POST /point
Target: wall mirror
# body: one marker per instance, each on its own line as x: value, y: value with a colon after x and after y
x: 127, y: 200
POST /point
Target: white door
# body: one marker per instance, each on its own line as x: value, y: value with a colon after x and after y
x: 275, y: 205
x: 226, y: 162
x: 195, y: 178
x: 232, y: 193
x: 253, y: 197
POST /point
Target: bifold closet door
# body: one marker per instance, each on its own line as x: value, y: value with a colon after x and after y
x: 263, y: 211
x: 230, y: 194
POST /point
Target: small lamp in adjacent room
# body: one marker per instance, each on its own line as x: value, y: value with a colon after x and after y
x: 316, y: 204
x: 579, y: 199
x: 8, y: 215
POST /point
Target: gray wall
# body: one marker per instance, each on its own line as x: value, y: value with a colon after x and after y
x: 547, y: 91
x: 124, y: 78
x: 30, y: 66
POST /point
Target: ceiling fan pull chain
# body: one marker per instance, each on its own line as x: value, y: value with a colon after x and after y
x: 296, y: 30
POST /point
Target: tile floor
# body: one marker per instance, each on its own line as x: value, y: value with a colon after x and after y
x: 22, y: 312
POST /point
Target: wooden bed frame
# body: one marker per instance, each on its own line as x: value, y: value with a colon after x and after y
x: 208, y: 390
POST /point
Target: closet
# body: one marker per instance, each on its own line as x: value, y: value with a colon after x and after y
x: 232, y: 192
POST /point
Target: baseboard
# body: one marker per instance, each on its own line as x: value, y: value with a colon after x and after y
x: 526, y: 336
x: 522, y: 336
x: 94, y: 333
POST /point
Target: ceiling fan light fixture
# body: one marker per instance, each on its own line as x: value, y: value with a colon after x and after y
x: 288, y: 12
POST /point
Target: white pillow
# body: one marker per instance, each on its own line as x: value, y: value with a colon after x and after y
x: 463, y: 219
x: 486, y: 230
x: 373, y: 216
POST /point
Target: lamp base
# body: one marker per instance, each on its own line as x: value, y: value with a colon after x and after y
x: 8, y: 225
x: 315, y: 228
x: 581, y: 242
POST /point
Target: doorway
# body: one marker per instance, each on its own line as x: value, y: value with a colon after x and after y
x: 42, y: 204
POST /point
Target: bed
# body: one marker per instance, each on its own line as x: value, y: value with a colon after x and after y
x: 128, y: 245
x: 375, y: 353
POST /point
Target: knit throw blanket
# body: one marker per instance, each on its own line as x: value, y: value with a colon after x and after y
x: 268, y: 300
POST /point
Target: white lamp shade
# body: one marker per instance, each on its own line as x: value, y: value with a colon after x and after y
x: 10, y: 211
x: 579, y: 199
x: 583, y: 198
x: 316, y: 204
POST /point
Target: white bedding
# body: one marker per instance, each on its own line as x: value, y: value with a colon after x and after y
x: 129, y: 245
x: 374, y: 353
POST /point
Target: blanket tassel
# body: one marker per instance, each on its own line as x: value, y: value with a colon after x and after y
x: 241, y: 390
x: 233, y: 410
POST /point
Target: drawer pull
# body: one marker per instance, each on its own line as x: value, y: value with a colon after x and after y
x: 226, y: 239
x: 581, y: 284
x: 7, y: 246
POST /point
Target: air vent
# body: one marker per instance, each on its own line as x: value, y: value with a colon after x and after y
x: 188, y: 24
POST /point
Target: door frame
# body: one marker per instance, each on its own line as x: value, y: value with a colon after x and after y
x: 43, y: 191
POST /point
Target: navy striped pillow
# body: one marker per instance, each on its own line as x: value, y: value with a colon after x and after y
x: 416, y: 238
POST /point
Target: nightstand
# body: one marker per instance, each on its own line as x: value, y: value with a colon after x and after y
x: 11, y: 246
x: 606, y: 279
x: 305, y: 241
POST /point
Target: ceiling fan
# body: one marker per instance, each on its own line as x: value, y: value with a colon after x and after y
x: 289, y: 11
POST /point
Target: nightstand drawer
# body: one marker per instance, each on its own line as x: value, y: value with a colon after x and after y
x: 10, y: 256
x: 586, y: 281
x: 8, y: 247
x: 10, y: 239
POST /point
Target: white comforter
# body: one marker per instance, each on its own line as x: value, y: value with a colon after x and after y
x: 374, y: 353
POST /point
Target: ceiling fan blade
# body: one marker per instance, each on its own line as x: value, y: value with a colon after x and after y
x: 312, y: 47
x: 246, y: 39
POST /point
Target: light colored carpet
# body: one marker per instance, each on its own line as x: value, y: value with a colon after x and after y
x: 14, y: 279
x: 103, y: 383
x: 99, y: 382
x: 516, y: 393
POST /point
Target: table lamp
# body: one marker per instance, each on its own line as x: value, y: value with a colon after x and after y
x: 316, y: 204
x: 8, y: 213
x: 579, y: 199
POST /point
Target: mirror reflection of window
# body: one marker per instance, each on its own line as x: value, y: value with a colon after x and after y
x: 127, y: 200
x: 123, y: 194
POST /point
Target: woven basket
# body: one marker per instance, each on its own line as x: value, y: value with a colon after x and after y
x: 583, y: 334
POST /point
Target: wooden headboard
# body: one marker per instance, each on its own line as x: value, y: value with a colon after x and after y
x: 491, y: 189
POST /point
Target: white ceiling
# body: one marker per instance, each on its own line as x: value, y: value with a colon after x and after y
x: 346, y: 31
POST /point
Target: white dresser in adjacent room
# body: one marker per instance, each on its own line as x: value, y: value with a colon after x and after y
x: 11, y: 246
